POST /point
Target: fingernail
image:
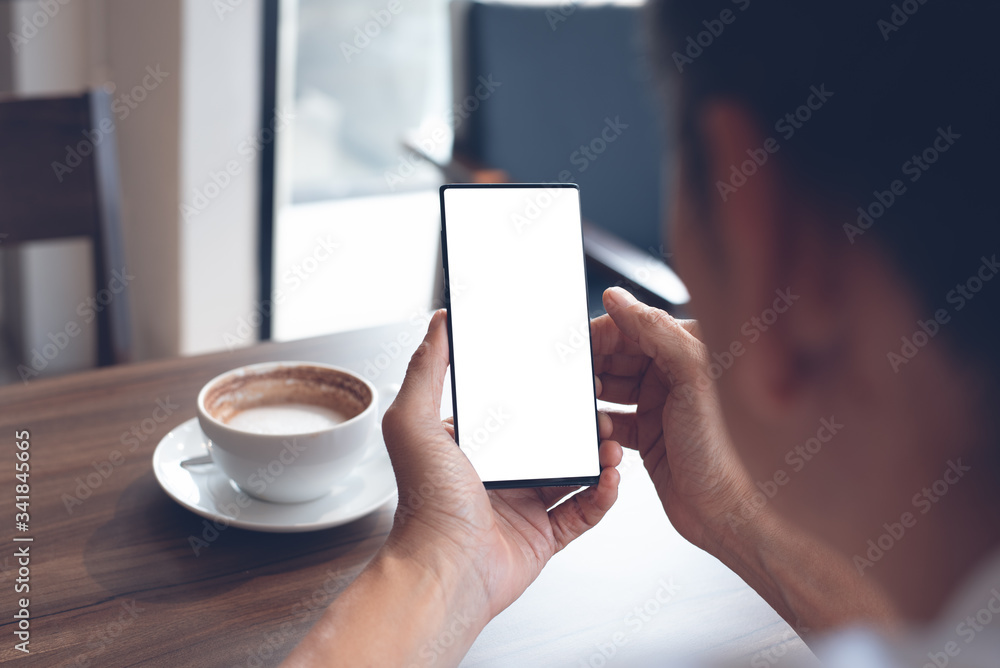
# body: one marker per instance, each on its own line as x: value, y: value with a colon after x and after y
x: 437, y: 319
x: 617, y: 297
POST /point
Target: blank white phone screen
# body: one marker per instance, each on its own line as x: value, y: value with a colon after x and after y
x: 522, y: 370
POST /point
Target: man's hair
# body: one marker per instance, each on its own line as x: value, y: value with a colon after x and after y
x: 902, y: 78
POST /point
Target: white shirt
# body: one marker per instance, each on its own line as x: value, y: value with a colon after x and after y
x: 966, y: 635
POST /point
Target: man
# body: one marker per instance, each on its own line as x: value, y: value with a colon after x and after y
x: 836, y: 224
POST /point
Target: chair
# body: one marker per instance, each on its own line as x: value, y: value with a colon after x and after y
x: 59, y: 178
x: 570, y: 99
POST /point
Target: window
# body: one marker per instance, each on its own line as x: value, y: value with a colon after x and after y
x: 355, y: 233
x: 368, y: 75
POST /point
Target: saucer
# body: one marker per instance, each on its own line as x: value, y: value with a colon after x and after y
x: 208, y: 492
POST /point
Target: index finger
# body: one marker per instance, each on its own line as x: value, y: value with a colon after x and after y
x: 607, y: 338
x: 672, y: 344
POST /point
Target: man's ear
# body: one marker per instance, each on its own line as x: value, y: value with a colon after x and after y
x: 743, y: 196
x: 776, y: 254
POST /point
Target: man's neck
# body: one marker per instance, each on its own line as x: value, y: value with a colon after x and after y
x: 950, y: 536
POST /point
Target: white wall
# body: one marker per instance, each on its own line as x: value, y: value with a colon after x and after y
x: 195, y: 278
x: 220, y: 162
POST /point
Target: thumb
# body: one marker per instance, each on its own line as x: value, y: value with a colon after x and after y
x: 419, y: 397
x: 668, y: 341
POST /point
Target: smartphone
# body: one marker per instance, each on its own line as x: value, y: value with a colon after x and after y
x: 518, y: 324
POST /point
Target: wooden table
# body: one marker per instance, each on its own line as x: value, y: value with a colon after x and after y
x: 114, y: 580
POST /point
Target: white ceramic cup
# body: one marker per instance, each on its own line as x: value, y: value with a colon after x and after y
x: 287, y: 457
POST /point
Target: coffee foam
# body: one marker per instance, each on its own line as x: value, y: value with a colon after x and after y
x: 316, y: 386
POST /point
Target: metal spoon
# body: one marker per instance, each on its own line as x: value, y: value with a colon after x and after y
x: 197, y: 461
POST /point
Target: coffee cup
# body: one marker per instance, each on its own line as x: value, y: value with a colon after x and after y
x: 287, y: 432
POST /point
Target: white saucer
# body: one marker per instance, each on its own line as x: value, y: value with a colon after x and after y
x: 205, y: 490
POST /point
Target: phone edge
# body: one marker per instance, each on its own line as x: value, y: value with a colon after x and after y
x: 527, y: 482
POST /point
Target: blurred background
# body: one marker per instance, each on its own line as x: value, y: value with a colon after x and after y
x: 274, y: 163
